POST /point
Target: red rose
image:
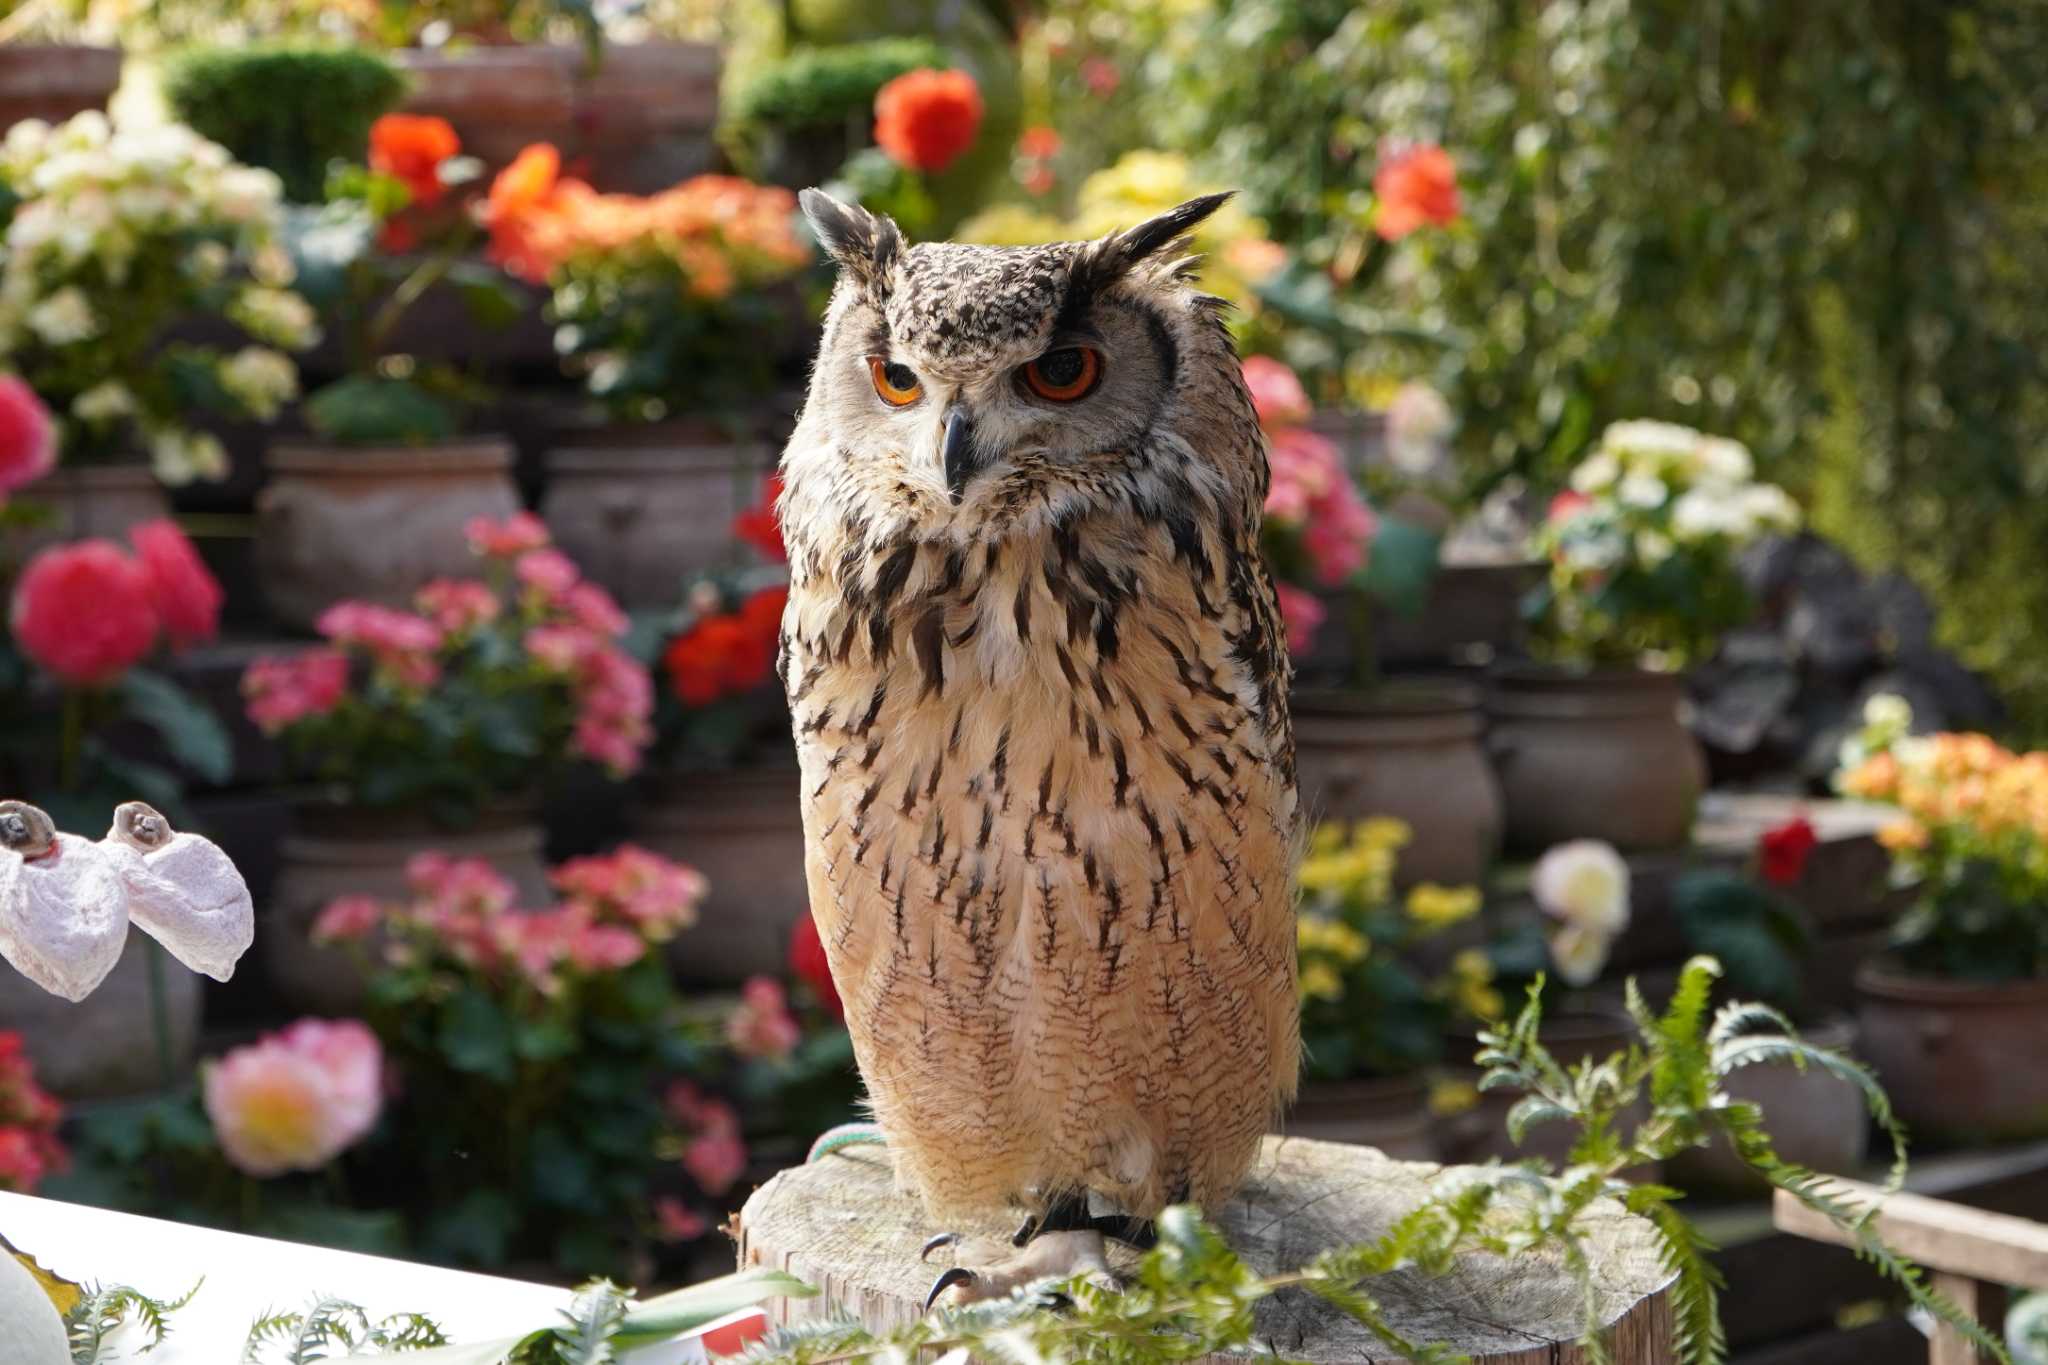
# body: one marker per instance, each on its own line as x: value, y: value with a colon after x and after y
x: 28, y: 438
x: 186, y: 594
x: 1415, y: 186
x: 1782, y: 852
x: 807, y: 963
x: 925, y: 119
x: 718, y: 657
x: 85, y: 612
x: 410, y: 148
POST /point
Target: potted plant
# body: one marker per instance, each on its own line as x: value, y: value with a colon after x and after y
x: 438, y: 728
x: 112, y: 234
x: 795, y: 119
x: 647, y: 296
x: 1373, y: 1018
x: 372, y: 505
x: 46, y: 73
x: 1745, y: 920
x: 1953, y: 1016
x: 85, y: 620
x: 1642, y: 581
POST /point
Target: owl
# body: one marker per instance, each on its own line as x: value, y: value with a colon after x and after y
x: 1039, y: 693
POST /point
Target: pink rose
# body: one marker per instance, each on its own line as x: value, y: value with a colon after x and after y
x: 644, y: 890
x: 595, y: 610
x: 1277, y: 394
x: 293, y: 1101
x: 346, y: 919
x: 1567, y: 505
x: 549, y: 573
x: 457, y: 605
x: 85, y: 612
x: 561, y: 649
x: 28, y: 438
x: 1339, y: 534
x: 186, y: 593
x: 401, y: 644
x: 675, y: 1221
x: 1302, y: 615
x: 762, y: 1026
x: 279, y: 693
x: 604, y: 948
x: 507, y: 539
x: 22, y: 1163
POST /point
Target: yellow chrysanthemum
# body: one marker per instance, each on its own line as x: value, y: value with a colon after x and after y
x: 1320, y: 981
x: 1439, y: 907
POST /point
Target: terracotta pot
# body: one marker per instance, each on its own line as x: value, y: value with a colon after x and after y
x: 639, y: 121
x: 1390, y: 1113
x: 53, y: 81
x: 376, y: 523
x: 1962, y: 1060
x: 744, y: 831
x: 105, y: 1046
x: 644, y: 510
x: 1414, y: 753
x: 1480, y: 1133
x: 1815, y: 1119
x: 338, y: 851
x: 94, y: 500
x: 1472, y: 613
x: 1600, y: 755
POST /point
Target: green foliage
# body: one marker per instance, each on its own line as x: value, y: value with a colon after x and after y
x: 826, y: 85
x: 290, y: 108
x: 331, y: 1329
x: 103, y: 1308
x: 370, y: 410
x: 1759, y: 936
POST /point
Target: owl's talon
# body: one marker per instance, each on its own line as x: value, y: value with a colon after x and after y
x: 943, y: 1239
x: 949, y: 1277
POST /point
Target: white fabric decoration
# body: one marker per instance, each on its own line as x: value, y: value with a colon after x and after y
x: 63, y: 910
x: 183, y: 891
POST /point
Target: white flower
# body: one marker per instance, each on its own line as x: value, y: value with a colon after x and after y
x: 103, y: 402
x: 208, y: 261
x: 1719, y: 460
x: 277, y: 316
x: 1594, y: 552
x: 244, y: 194
x: 1653, y: 547
x: 1658, y: 442
x: 260, y: 379
x: 179, y: 457
x: 1596, y: 473
x: 63, y: 318
x: 1418, y: 421
x: 1585, y: 883
x: 1770, y: 507
x: 1579, y: 954
x: 1642, y: 489
x: 1699, y: 513
x: 272, y: 265
x: 1888, y: 713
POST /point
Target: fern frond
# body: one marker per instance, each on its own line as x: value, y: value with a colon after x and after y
x: 1696, y: 1292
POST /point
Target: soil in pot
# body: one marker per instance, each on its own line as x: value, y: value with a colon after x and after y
x: 1962, y: 1060
x: 743, y: 829
x: 1480, y: 1132
x: 105, y: 1046
x: 1413, y: 752
x: 101, y: 501
x: 644, y: 510
x: 1600, y: 755
x: 338, y: 851
x: 374, y: 523
x: 1815, y: 1119
x: 1390, y: 1113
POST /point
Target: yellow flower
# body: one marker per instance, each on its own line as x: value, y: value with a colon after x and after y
x: 1471, y: 986
x: 1382, y: 832
x: 1448, y: 1097
x: 1439, y: 907
x: 1903, y: 836
x: 1315, y: 934
x: 1329, y: 838
x: 1320, y: 981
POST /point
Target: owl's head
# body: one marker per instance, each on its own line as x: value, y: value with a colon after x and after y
x: 968, y: 388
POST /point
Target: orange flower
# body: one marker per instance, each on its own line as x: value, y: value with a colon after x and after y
x: 1903, y: 836
x: 925, y: 119
x: 1415, y: 186
x: 1040, y: 142
x: 1875, y: 779
x: 520, y: 194
x: 410, y: 148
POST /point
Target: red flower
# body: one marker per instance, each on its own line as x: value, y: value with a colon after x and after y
x: 1040, y: 142
x: 808, y: 964
x: 1567, y: 505
x: 85, y: 612
x: 925, y: 119
x: 1415, y: 186
x: 1782, y: 852
x: 410, y: 148
x: 760, y: 526
x: 718, y: 657
x: 763, y: 612
x: 187, y: 595
x: 28, y: 438
x: 519, y: 197
x: 1101, y: 77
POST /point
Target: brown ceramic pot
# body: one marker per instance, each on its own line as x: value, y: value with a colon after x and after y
x: 1963, y: 1061
x: 53, y: 81
x: 1472, y: 613
x: 1480, y: 1132
x: 743, y: 829
x: 1815, y: 1119
x: 1390, y: 1113
x: 637, y: 121
x: 105, y: 1046
x: 339, y: 851
x: 1414, y: 753
x: 644, y: 510
x: 94, y: 500
x: 374, y: 523
x: 1600, y: 755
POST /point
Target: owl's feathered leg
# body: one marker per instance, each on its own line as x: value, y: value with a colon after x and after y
x: 1064, y: 1241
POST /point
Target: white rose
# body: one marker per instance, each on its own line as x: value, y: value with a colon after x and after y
x: 179, y: 457
x: 1596, y: 473
x: 1643, y: 490
x: 1585, y: 883
x: 260, y: 379
x: 103, y: 402
x: 1578, y: 954
x: 63, y: 318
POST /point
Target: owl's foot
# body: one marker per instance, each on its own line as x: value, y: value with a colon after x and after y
x: 1048, y: 1256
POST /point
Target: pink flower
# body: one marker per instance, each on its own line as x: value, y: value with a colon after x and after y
x: 282, y: 692
x: 465, y: 885
x: 595, y: 610
x: 1101, y: 77
x: 605, y: 948
x: 1414, y: 186
x: 346, y: 919
x: 22, y: 1165
x: 715, y: 1161
x: 28, y: 438
x: 654, y: 896
x: 457, y: 605
x: 1302, y: 614
x: 1339, y: 534
x: 614, y: 711
x: 85, y: 612
x: 1305, y: 467
x: 561, y: 649
x: 762, y: 1026
x: 293, y: 1101
x: 549, y: 573
x: 1277, y: 394
x: 1312, y: 491
x: 1567, y: 505
x: 675, y: 1221
x: 507, y: 539
x: 398, y: 642
x: 186, y: 593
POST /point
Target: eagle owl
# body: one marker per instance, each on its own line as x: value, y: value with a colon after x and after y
x: 1039, y: 692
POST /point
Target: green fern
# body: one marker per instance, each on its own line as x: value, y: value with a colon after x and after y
x: 332, y: 1329
x: 102, y: 1308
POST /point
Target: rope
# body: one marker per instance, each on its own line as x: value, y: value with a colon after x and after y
x: 845, y: 1135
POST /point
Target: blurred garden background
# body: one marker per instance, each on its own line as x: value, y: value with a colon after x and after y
x: 389, y: 400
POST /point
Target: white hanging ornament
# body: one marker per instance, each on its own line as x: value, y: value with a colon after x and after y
x: 63, y: 910
x: 182, y: 890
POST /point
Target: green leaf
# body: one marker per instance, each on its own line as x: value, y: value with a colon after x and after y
x: 475, y: 1037
x: 488, y: 297
x: 685, y: 1310
x: 190, y: 730
x: 362, y: 410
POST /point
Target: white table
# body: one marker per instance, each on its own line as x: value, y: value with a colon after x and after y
x: 248, y: 1276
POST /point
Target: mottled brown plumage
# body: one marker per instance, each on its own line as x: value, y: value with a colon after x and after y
x: 1040, y: 703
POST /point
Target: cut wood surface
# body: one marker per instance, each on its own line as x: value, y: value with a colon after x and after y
x: 840, y: 1225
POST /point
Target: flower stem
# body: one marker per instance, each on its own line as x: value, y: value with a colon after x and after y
x: 71, y: 741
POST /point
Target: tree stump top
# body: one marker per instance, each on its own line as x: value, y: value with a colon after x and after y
x: 840, y: 1225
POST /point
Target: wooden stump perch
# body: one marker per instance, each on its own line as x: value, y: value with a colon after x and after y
x: 841, y: 1226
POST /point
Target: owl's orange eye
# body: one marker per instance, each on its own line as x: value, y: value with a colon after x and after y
x: 897, y: 384
x: 1064, y: 375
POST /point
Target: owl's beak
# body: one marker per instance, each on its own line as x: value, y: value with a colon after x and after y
x: 961, y: 459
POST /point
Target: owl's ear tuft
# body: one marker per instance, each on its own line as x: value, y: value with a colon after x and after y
x: 865, y: 243
x: 1103, y: 262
